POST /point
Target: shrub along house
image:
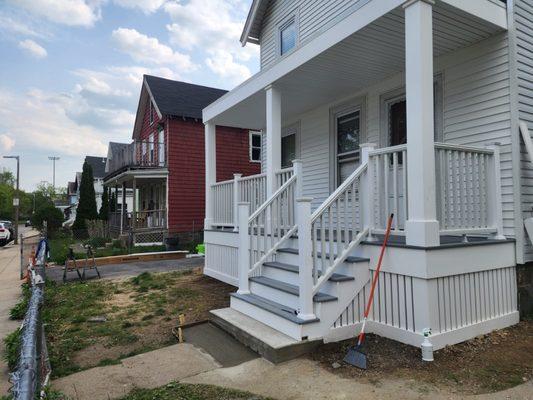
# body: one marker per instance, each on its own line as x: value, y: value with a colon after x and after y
x: 163, y: 167
x: 389, y: 106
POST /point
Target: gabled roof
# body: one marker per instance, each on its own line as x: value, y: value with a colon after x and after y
x: 254, y: 21
x: 115, y: 147
x: 174, y: 98
x: 71, y: 188
x: 97, y: 164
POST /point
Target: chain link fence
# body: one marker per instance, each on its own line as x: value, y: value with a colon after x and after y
x: 33, y: 368
x: 28, y: 246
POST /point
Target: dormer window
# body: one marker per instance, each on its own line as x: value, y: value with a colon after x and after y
x: 288, y: 35
x: 151, y: 113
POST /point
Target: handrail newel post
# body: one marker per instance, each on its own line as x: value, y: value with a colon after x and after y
x: 305, y: 260
x: 236, y: 199
x: 243, y: 252
x: 367, y: 192
x: 495, y: 192
x: 298, y: 172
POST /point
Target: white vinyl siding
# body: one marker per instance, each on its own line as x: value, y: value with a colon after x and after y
x: 524, y: 41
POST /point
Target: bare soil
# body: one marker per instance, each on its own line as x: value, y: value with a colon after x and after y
x: 139, y: 314
x: 485, y: 364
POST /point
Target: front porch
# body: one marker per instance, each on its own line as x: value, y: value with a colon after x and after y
x: 140, y: 171
x: 406, y: 115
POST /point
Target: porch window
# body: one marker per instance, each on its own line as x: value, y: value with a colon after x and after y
x: 255, y: 146
x: 288, y: 35
x: 347, y: 128
x: 289, y: 138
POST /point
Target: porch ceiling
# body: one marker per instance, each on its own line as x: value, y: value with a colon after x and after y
x: 373, y: 53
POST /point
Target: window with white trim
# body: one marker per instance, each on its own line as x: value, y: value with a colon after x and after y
x: 347, y: 134
x: 288, y: 35
x: 255, y: 146
x: 151, y: 112
x: 151, y: 147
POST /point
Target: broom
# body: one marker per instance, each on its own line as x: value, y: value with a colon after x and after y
x: 355, y: 355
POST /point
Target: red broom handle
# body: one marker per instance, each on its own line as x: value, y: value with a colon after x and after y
x: 376, y: 273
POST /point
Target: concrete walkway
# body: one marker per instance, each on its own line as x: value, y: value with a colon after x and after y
x: 9, y: 295
x: 300, y: 379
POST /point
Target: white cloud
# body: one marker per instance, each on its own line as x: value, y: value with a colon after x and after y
x: 10, y: 25
x: 33, y: 49
x: 222, y: 64
x: 149, y: 50
x: 213, y: 26
x: 6, y: 143
x: 146, y: 6
x: 66, y: 12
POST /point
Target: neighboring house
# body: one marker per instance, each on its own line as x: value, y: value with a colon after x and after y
x: 72, y: 195
x: 98, y: 166
x: 429, y: 133
x: 164, y: 165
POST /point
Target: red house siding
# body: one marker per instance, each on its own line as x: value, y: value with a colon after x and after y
x: 185, y: 146
x: 186, y: 162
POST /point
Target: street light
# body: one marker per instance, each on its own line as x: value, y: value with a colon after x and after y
x: 54, y: 159
x: 16, y: 200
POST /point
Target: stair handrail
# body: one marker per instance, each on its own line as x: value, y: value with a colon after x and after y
x: 274, y: 246
x: 356, y: 239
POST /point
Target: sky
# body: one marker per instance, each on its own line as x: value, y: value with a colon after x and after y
x: 71, y: 71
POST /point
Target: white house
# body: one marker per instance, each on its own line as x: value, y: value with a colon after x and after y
x: 389, y: 106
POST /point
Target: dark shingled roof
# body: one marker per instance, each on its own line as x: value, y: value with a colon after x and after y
x: 181, y: 99
x: 98, y: 165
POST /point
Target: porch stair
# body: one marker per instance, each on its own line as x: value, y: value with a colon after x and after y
x: 274, y: 295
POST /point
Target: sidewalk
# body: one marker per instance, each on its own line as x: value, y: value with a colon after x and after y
x: 9, y: 295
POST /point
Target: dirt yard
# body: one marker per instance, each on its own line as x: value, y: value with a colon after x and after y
x: 486, y: 364
x: 100, y: 322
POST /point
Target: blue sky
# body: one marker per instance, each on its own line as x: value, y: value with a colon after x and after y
x: 71, y: 70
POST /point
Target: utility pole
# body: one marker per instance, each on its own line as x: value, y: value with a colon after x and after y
x: 16, y: 200
x: 54, y: 159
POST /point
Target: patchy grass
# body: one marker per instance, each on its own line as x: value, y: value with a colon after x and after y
x: 178, y: 391
x: 486, y: 364
x: 12, y: 349
x: 139, y: 316
x: 19, y: 310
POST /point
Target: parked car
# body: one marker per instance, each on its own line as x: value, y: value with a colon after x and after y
x: 27, y: 223
x: 5, y: 234
x: 9, y: 225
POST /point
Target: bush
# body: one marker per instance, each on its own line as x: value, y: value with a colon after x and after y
x: 97, y: 242
x: 48, y: 212
x: 59, y: 248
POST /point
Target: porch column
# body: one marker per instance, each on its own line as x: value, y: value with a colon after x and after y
x: 134, y: 207
x: 210, y: 172
x: 422, y: 227
x: 123, y: 208
x: 273, y: 137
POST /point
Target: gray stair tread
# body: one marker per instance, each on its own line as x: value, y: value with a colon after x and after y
x: 294, y: 268
x: 288, y: 288
x: 349, y: 259
x: 273, y: 307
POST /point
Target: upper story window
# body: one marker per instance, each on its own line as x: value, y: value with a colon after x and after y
x: 255, y: 146
x: 151, y: 111
x: 288, y: 35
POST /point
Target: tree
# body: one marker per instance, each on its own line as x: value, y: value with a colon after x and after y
x: 46, y: 211
x: 7, y: 178
x: 113, y: 202
x: 104, y: 208
x: 87, y: 203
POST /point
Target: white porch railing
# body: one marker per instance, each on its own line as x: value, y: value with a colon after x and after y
x: 468, y: 189
x: 387, y: 170
x: 223, y: 203
x: 252, y: 189
x: 283, y: 176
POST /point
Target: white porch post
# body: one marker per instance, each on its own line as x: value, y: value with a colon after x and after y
x: 243, y: 252
x: 367, y: 199
x: 298, y: 172
x: 273, y: 137
x: 495, y: 192
x: 236, y: 194
x: 210, y: 172
x: 422, y: 227
x: 305, y: 258
x: 123, y: 208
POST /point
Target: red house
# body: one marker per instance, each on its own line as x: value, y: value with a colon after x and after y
x: 163, y: 168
